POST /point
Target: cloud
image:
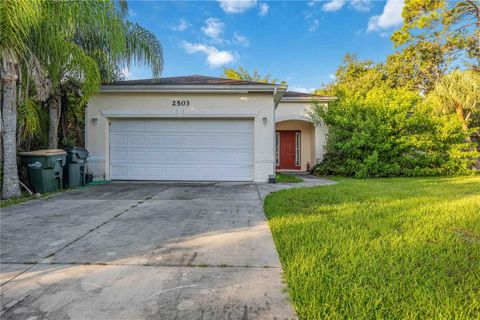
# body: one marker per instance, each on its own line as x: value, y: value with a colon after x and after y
x: 301, y: 89
x: 132, y: 13
x: 361, y: 5
x: 263, y: 9
x: 333, y: 5
x: 215, y: 58
x: 182, y: 25
x: 314, y: 25
x: 390, y: 17
x: 241, y: 40
x: 237, y: 6
x: 213, y: 28
x: 332, y: 76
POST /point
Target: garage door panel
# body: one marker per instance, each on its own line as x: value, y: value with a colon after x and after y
x: 181, y: 149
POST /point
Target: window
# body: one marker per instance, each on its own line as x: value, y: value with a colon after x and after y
x: 277, y: 148
x: 297, y: 149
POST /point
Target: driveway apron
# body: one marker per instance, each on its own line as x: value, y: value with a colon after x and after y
x: 142, y: 251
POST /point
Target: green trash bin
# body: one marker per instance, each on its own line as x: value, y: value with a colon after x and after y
x: 45, y: 169
x: 74, y: 171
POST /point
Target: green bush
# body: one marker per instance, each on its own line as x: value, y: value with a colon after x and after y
x: 391, y: 132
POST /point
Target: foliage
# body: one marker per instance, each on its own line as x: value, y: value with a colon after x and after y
x: 354, y: 76
x: 458, y: 93
x: 390, y: 132
x: 451, y: 26
x: 242, y: 74
x: 286, y: 178
x: 402, y: 248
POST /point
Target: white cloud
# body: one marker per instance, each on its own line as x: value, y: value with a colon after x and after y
x: 237, y: 6
x: 301, y: 89
x: 132, y: 13
x: 213, y: 28
x: 390, y: 17
x: 311, y: 3
x: 332, y: 76
x: 182, y: 25
x: 314, y: 25
x: 361, y: 5
x: 241, y: 40
x: 263, y: 9
x: 333, y: 5
x: 215, y: 58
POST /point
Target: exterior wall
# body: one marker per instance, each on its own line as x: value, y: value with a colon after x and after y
x: 307, y: 143
x: 293, y: 115
x: 107, y: 106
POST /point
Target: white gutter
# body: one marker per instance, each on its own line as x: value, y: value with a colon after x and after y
x: 308, y: 99
x: 190, y: 88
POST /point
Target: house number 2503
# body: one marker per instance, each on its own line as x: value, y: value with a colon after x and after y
x: 180, y: 103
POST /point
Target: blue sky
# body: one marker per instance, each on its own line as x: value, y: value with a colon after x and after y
x: 301, y: 42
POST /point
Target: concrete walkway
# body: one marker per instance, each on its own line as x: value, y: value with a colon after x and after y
x: 143, y: 251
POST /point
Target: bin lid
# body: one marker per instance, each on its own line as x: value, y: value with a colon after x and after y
x: 43, y: 153
x: 81, y: 152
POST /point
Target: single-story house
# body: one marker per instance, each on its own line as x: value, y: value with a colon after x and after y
x: 200, y: 128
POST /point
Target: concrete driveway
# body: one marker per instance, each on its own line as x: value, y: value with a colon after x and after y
x: 142, y: 251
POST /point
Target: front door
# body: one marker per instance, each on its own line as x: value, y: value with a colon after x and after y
x: 288, y: 150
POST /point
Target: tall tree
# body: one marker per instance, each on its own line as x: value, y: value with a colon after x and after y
x: 436, y: 34
x: 94, y: 53
x: 242, y: 74
x: 17, y: 18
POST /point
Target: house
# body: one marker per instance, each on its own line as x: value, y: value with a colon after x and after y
x: 200, y: 128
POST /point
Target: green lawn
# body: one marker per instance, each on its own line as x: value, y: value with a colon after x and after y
x: 286, y: 178
x: 406, y: 248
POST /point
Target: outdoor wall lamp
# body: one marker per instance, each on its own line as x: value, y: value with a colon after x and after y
x: 94, y: 121
x: 264, y: 120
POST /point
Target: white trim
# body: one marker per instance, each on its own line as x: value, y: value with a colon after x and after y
x: 192, y: 88
x: 293, y: 117
x: 128, y: 114
x: 308, y: 99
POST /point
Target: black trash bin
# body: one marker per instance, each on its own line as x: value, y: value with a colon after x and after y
x: 74, y: 170
x: 45, y: 169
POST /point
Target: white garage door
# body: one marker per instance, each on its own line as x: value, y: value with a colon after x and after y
x: 186, y: 149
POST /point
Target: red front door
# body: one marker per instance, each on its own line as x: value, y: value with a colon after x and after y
x: 288, y: 155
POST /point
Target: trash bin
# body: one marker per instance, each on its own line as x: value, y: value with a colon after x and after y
x: 74, y: 170
x: 45, y: 169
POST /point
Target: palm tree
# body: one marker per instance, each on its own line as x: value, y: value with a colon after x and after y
x: 41, y: 40
x: 93, y: 52
x: 17, y: 18
x: 459, y: 92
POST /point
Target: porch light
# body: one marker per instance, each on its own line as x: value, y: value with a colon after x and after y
x: 94, y: 121
x: 264, y: 119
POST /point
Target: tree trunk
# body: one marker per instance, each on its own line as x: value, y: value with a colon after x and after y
x: 54, y: 109
x: 10, y: 185
x: 461, y: 118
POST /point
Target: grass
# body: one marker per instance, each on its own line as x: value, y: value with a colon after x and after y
x: 406, y: 248
x: 286, y: 178
x: 23, y: 198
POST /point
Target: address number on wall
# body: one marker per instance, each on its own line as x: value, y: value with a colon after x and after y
x: 180, y: 103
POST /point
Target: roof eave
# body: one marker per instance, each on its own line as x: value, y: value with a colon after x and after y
x: 307, y: 99
x: 191, y: 88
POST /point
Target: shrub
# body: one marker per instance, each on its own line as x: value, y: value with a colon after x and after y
x: 391, y: 132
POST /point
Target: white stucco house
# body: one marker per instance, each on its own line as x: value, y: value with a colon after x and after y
x: 200, y: 128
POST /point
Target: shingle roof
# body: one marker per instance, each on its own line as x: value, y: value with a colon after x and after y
x: 295, y: 94
x: 193, y: 80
